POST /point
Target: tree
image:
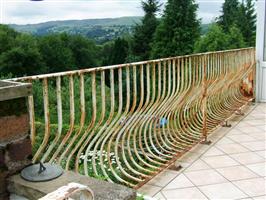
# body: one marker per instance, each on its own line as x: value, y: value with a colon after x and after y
x: 7, y: 38
x: 216, y: 39
x: 235, y: 38
x: 118, y: 53
x: 143, y: 33
x: 230, y: 14
x: 84, y: 51
x: 178, y: 30
x: 56, y: 54
x: 23, y: 58
x: 247, y: 21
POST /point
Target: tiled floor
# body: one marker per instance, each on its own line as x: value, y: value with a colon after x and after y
x: 232, y: 167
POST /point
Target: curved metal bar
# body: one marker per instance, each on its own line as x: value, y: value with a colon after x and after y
x: 151, y: 112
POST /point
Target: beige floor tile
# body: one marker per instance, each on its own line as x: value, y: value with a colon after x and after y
x: 189, y: 157
x: 255, y: 146
x: 205, y: 177
x: 258, y: 168
x: 242, y: 124
x: 199, y: 148
x: 247, y: 158
x: 241, y: 138
x: 262, y: 127
x: 261, y: 154
x: 222, y: 191
x: 232, y: 148
x: 236, y: 173
x: 219, y: 161
x: 213, y: 151
x: 198, y: 165
x: 180, y: 181
x: 254, y: 117
x: 260, y: 198
x: 256, y: 122
x: 234, y: 131
x: 149, y: 190
x: 252, y: 187
x: 215, y: 137
x: 249, y: 129
x: 159, y: 196
x: 184, y: 193
x: 259, y: 116
x: 258, y: 136
x: 225, y: 140
x: 163, y: 178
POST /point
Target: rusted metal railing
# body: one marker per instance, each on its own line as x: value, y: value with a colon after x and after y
x: 125, y: 123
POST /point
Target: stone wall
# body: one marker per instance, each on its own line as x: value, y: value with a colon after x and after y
x: 15, y: 144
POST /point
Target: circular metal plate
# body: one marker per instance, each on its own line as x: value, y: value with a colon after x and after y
x: 31, y: 173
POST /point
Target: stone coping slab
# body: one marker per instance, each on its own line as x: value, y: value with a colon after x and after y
x: 102, y: 190
x: 12, y: 90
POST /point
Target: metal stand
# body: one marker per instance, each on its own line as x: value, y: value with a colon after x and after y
x: 226, y: 125
x: 239, y: 112
x: 176, y: 167
x: 206, y: 142
x: 41, y: 172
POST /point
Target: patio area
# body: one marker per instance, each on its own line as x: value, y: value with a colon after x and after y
x: 232, y: 167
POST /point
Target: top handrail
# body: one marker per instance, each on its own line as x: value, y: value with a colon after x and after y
x: 95, y: 69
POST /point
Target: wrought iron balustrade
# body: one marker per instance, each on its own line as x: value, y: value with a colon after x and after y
x: 125, y: 123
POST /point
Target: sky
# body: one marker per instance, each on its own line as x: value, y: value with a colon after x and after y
x: 30, y: 12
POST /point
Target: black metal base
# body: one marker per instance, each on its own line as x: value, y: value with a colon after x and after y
x: 176, y: 168
x: 41, y: 172
x: 206, y: 142
x: 239, y: 113
x: 226, y: 125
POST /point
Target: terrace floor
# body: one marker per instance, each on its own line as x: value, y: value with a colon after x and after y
x: 232, y: 167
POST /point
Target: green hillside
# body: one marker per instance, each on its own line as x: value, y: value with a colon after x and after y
x: 101, y: 30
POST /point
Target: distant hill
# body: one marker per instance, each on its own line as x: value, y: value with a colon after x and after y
x: 100, y: 30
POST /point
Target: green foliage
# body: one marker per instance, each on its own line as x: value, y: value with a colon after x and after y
x: 216, y: 39
x: 178, y: 30
x: 247, y: 21
x: 24, y: 54
x: 100, y: 30
x: 242, y: 15
x: 66, y: 52
x: 7, y: 38
x: 38, y: 100
x: 230, y: 14
x: 58, y: 57
x: 22, y: 58
x: 116, y: 52
x: 84, y: 51
x: 235, y: 38
x: 205, y: 28
x: 235, y: 28
x: 140, y: 197
x: 143, y: 32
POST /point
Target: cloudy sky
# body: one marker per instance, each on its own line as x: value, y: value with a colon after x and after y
x: 28, y: 12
